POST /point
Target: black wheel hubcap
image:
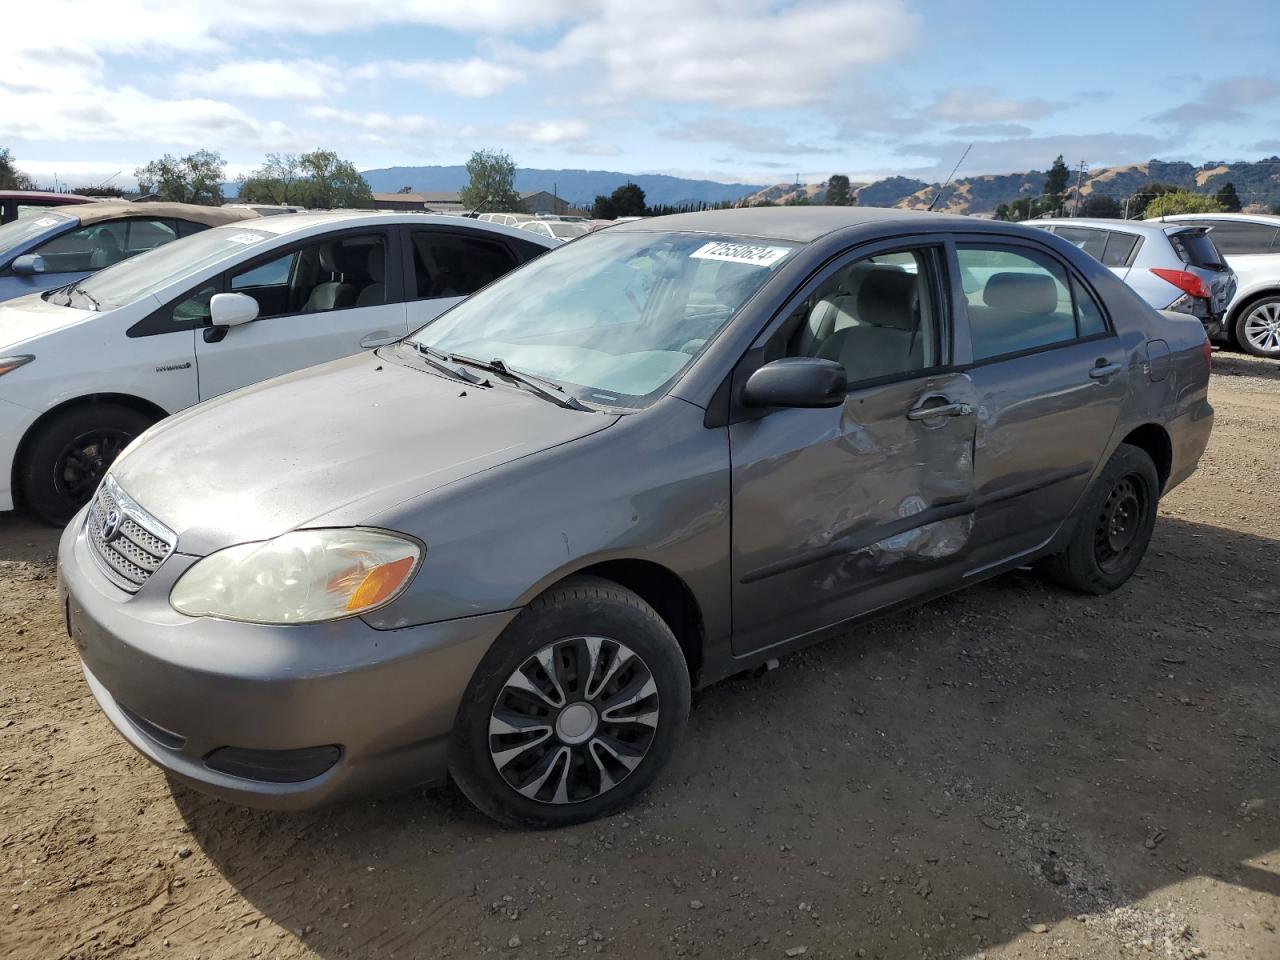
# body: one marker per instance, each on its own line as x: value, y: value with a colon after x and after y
x: 85, y: 461
x: 1119, y: 523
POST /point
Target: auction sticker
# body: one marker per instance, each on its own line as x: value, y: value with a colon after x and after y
x: 246, y: 238
x: 740, y: 253
x: 46, y: 222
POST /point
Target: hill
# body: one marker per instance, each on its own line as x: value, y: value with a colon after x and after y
x: 1257, y: 183
x: 579, y: 187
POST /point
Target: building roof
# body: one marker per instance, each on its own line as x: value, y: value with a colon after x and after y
x: 114, y: 209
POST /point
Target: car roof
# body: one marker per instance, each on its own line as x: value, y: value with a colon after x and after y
x: 197, y: 213
x: 1143, y: 227
x: 798, y: 224
x: 1269, y: 219
x: 46, y: 197
x: 299, y: 222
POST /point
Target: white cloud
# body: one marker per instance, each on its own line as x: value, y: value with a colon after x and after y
x: 986, y: 105
x: 735, y: 53
x: 263, y: 79
x: 747, y: 137
x: 465, y: 78
x: 530, y: 131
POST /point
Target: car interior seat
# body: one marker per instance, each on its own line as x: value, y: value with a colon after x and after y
x: 333, y: 293
x: 1020, y: 310
x: 881, y: 335
x: 106, y: 250
x: 375, y: 292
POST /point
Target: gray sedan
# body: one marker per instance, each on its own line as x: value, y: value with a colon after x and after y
x: 507, y: 548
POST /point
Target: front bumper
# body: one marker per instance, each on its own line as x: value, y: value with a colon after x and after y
x: 182, y: 689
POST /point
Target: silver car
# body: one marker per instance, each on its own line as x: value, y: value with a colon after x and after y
x: 1172, y: 266
x: 508, y: 547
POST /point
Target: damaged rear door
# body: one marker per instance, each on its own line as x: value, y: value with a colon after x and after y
x: 838, y: 512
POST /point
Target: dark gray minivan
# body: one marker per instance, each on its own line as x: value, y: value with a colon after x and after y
x: 508, y: 547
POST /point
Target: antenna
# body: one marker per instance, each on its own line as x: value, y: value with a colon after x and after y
x: 938, y: 196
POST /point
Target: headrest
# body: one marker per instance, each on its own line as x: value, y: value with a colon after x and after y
x: 1029, y: 294
x: 329, y: 258
x: 887, y: 298
x: 377, y: 263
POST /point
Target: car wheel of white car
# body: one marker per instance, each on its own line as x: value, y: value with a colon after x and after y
x: 1258, y: 328
x: 63, y: 463
x: 573, y: 711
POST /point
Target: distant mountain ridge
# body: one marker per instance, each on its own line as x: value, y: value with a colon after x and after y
x: 1256, y: 182
x: 579, y: 187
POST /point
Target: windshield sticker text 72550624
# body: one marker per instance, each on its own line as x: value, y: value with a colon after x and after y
x: 758, y: 256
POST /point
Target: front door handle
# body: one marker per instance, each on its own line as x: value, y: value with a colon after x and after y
x: 1104, y: 370
x: 373, y: 340
x: 939, y: 410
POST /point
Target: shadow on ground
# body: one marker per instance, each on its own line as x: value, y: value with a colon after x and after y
x: 933, y: 784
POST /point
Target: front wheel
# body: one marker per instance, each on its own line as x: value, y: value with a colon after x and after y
x: 1258, y: 328
x: 65, y: 461
x: 573, y: 711
x: 1114, y: 525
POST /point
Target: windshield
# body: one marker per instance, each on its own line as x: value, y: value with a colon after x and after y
x: 566, y: 231
x: 20, y: 232
x: 614, y: 317
x: 149, y: 272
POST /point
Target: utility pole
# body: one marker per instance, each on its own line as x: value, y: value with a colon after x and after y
x: 1075, y: 207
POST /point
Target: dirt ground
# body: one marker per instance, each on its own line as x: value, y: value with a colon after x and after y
x: 1014, y: 771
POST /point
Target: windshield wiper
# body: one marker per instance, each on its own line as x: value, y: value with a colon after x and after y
x: 76, y: 288
x: 547, y: 389
x: 436, y: 360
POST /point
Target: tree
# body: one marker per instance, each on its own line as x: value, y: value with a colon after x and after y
x: 328, y: 182
x: 276, y: 181
x: 492, y: 184
x: 1144, y: 195
x: 1228, y: 199
x: 839, y: 193
x: 1101, y: 205
x: 1055, y: 185
x: 1181, y: 201
x: 626, y: 201
x: 195, y: 178
x: 11, y: 178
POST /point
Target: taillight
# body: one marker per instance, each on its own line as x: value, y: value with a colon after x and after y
x: 1184, y: 280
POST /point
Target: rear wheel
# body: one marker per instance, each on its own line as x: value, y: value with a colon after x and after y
x: 67, y: 459
x: 1257, y: 328
x: 574, y: 710
x: 1114, y: 525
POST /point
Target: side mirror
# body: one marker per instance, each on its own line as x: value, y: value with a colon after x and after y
x: 28, y: 264
x: 232, y: 309
x: 797, y: 382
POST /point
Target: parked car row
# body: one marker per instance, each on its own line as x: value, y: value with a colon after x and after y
x: 510, y: 537
x: 1222, y: 268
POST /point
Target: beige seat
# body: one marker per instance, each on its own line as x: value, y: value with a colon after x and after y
x: 332, y: 294
x: 884, y: 335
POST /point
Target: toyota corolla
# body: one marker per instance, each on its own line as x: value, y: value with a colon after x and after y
x: 506, y: 548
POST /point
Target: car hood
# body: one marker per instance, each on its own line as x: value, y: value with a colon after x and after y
x: 331, y: 445
x: 25, y: 318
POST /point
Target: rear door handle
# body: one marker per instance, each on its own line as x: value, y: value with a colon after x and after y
x: 940, y: 410
x: 372, y: 341
x: 1104, y: 370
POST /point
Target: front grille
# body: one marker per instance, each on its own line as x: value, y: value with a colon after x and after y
x: 128, y: 543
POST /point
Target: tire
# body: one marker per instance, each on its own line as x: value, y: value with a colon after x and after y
x: 571, y: 762
x: 1257, y: 328
x: 1114, y: 525
x: 65, y: 460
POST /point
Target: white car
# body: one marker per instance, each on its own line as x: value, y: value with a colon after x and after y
x: 86, y: 367
x: 556, y: 229
x: 1250, y: 242
x: 506, y: 219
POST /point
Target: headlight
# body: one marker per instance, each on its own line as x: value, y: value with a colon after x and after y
x: 302, y: 577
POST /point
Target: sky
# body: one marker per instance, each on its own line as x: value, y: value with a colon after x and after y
x: 753, y: 91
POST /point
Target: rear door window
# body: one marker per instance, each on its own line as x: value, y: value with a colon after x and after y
x: 146, y: 234
x: 1089, y: 239
x: 1119, y: 249
x: 453, y: 265
x: 1235, y: 238
x: 1018, y: 300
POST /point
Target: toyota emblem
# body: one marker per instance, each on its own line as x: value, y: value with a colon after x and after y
x: 109, y: 526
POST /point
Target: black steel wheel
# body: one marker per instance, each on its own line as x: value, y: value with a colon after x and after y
x: 1113, y: 526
